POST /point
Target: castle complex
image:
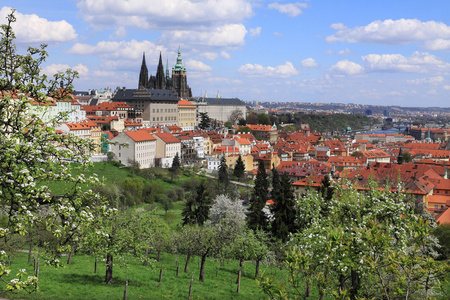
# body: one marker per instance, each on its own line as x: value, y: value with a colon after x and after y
x: 178, y: 82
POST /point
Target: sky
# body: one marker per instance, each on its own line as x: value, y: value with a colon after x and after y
x: 347, y: 51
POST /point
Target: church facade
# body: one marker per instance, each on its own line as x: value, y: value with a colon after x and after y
x: 162, y: 81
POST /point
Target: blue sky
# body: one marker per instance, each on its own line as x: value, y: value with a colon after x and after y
x: 347, y: 51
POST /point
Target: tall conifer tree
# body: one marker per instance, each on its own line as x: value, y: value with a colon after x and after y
x: 239, y: 168
x: 257, y: 219
x: 223, y: 175
x: 284, y: 210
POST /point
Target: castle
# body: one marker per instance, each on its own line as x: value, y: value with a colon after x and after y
x: 178, y: 82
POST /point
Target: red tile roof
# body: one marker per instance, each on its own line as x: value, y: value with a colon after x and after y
x: 140, y: 135
x: 167, y: 137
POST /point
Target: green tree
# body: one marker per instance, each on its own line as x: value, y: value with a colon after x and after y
x: 407, y: 157
x: 256, y: 218
x: 223, y: 179
x: 239, y: 168
x: 197, y: 208
x: 357, y: 154
x: 176, y: 164
x: 252, y: 118
x: 205, y: 121
x: 244, y: 129
x: 33, y: 155
x: 119, y: 235
x: 228, y: 124
x: 263, y: 119
x: 284, y: 210
x: 369, y: 244
x: 442, y: 232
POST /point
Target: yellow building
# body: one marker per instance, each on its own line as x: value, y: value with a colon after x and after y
x: 187, y: 113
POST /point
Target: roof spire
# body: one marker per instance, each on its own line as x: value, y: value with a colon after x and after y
x: 143, y: 74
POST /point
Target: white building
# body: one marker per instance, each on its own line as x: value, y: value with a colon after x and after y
x: 167, y: 146
x: 141, y: 148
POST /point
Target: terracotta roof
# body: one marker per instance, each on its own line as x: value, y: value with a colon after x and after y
x: 167, y: 137
x: 184, y: 102
x: 444, y: 218
x: 140, y: 135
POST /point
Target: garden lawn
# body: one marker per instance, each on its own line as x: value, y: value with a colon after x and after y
x: 78, y: 281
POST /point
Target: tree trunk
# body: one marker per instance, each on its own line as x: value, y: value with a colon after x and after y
x: 257, y: 269
x: 202, y: 269
x: 146, y: 254
x: 95, y: 265
x: 160, y: 274
x: 125, y: 293
x: 190, y: 287
x: 159, y: 255
x: 308, y: 288
x: 29, y: 252
x: 239, y: 276
x: 109, y: 269
x: 341, y: 283
x: 72, y: 249
x: 355, y: 284
x: 186, y: 266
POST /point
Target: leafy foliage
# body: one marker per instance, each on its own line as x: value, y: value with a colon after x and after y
x: 367, y: 245
x: 32, y: 154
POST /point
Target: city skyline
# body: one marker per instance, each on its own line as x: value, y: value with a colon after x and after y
x: 380, y: 53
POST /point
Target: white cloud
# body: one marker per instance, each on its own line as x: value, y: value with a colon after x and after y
x: 291, y: 9
x: 209, y: 55
x: 151, y: 14
x: 196, y: 65
x: 309, y: 63
x: 54, y: 68
x: 120, y: 33
x: 255, y: 31
x: 225, y: 55
x: 278, y: 34
x: 346, y: 67
x: 229, y: 35
x: 33, y: 29
x: 284, y: 71
x: 106, y: 74
x: 119, y: 50
x: 419, y: 62
x: 345, y: 52
x: 400, y: 31
x: 446, y: 87
x: 438, y: 45
x: 427, y: 80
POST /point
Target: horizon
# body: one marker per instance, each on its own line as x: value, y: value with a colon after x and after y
x: 379, y: 53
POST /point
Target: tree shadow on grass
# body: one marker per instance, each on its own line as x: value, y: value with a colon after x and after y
x: 96, y: 280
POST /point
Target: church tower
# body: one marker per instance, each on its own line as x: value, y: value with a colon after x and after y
x: 179, y: 79
x: 160, y: 77
x: 143, y: 75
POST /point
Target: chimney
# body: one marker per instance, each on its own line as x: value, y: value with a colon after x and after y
x: 445, y: 173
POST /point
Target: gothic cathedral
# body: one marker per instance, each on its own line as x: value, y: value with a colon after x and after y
x: 178, y: 82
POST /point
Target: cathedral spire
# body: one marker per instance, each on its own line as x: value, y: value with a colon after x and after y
x: 167, y: 70
x: 160, y: 78
x: 143, y: 74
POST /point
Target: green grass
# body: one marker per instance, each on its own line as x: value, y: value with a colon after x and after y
x: 78, y: 281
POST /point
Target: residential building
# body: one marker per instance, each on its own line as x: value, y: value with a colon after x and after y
x: 141, y: 148
x: 167, y: 146
x: 187, y: 115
